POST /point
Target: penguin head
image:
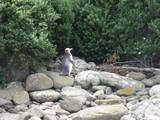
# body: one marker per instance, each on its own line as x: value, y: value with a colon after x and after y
x: 68, y: 50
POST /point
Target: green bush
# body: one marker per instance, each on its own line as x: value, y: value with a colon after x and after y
x: 25, y: 32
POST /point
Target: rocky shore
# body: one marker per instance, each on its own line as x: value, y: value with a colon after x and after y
x: 89, y: 95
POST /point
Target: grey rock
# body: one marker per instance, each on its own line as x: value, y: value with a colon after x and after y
x: 108, y: 91
x: 45, y: 96
x: 154, y: 90
x: 9, y: 116
x: 105, y: 112
x: 127, y: 117
x: 12, y: 88
x: 34, y: 118
x: 92, y: 78
x: 88, y: 78
x: 100, y: 87
x: 60, y: 81
x: 70, y: 104
x: 136, y: 75
x: 21, y: 97
x: 4, y: 102
x: 49, y: 117
x: 146, y: 110
x: 75, y: 92
x: 99, y: 93
x: 38, y: 81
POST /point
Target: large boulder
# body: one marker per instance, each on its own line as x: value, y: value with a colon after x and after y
x: 104, y: 112
x: 154, y: 90
x: 38, y: 81
x: 88, y: 78
x: 60, y: 81
x: 45, y: 95
x: 119, y: 81
x: 75, y: 92
x: 12, y: 88
x: 71, y: 105
x: 136, y: 75
x: 146, y: 110
x: 21, y: 97
x: 152, y: 81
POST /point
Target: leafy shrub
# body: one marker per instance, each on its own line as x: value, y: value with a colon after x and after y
x: 24, y: 31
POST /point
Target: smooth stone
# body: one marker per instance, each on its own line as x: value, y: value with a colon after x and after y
x: 38, y: 81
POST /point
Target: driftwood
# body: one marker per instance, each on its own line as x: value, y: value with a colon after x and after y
x: 123, y: 70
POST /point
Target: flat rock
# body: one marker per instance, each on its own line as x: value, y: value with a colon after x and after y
x: 75, y: 92
x: 38, y: 81
x: 45, y: 96
x: 126, y: 91
x: 104, y: 112
x: 60, y: 81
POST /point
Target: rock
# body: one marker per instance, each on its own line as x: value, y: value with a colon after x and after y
x: 59, y: 111
x: 154, y: 90
x: 152, y: 81
x: 12, y: 88
x: 100, y: 87
x: 35, y: 111
x: 49, y: 117
x: 34, y: 118
x: 99, y: 93
x: 132, y: 103
x: 88, y: 78
x: 21, y: 97
x: 104, y: 112
x: 21, y: 108
x: 75, y: 92
x: 2, y: 110
x: 45, y: 96
x: 4, y: 102
x: 127, y: 117
x: 146, y: 110
x: 9, y: 116
x: 60, y: 81
x: 109, y: 101
x: 82, y: 65
x: 24, y: 116
x: 82, y: 99
x: 38, y: 81
x: 49, y: 112
x: 108, y: 91
x: 136, y: 75
x: 126, y: 91
x: 93, y: 78
x: 148, y: 82
x: 119, y: 82
x: 49, y: 104
x: 71, y: 105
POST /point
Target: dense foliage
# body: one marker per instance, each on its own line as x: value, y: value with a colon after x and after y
x: 24, y: 32
x: 97, y: 28
x: 30, y: 30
